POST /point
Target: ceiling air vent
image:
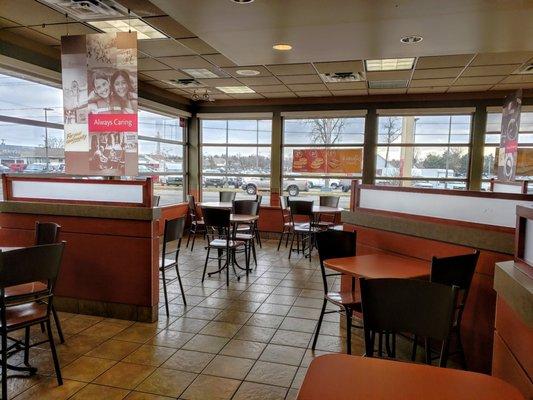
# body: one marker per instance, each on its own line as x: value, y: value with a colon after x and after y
x: 186, y: 83
x: 89, y: 9
x: 526, y: 69
x: 392, y: 84
x: 331, y: 77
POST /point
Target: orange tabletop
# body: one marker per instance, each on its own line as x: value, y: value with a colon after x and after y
x: 380, y: 266
x: 343, y: 377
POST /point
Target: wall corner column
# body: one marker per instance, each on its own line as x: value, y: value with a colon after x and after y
x: 370, y: 149
x: 276, y: 159
x: 193, y: 158
x: 477, y: 150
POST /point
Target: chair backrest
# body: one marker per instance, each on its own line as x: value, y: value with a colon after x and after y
x: 329, y: 201
x: 216, y: 217
x: 301, y: 207
x: 155, y: 200
x: 258, y: 199
x: 46, y: 233
x: 192, y: 207
x: 174, y: 229
x: 334, y: 244
x: 420, y: 307
x: 31, y: 264
x: 226, y: 197
x: 284, y: 202
x: 247, y: 207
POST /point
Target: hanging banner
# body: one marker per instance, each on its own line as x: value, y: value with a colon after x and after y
x: 341, y: 161
x: 99, y: 73
x: 524, y: 162
x: 507, y: 157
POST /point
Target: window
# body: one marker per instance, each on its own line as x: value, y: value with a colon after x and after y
x: 492, y: 142
x: 430, y: 151
x: 236, y: 157
x: 161, y: 154
x: 323, y: 147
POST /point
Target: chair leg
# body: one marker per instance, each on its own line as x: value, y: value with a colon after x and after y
x: 415, y: 344
x: 188, y: 237
x: 205, y: 265
x: 348, y: 330
x: 165, y: 291
x: 380, y: 344
x: 258, y: 238
x: 253, y: 252
x: 193, y: 239
x: 461, y: 349
x: 281, y: 238
x: 228, y: 255
x: 181, y: 285
x: 58, y: 325
x: 27, y: 345
x: 319, y: 323
x: 427, y: 346
x: 292, y: 243
x: 287, y: 238
x: 444, y: 354
x: 4, y: 364
x: 54, y: 354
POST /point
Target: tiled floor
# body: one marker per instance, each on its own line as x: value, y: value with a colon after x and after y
x: 248, y: 341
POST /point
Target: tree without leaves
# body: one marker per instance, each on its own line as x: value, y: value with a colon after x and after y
x: 326, y: 130
x: 392, y: 130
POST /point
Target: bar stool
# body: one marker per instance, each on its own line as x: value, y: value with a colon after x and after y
x: 172, y: 237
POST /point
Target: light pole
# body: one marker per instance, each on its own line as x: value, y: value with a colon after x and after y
x: 46, y: 109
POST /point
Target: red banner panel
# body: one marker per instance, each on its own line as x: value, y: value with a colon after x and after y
x: 341, y: 161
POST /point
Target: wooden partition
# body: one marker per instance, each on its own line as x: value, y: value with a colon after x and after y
x: 430, y: 229
x: 110, y: 267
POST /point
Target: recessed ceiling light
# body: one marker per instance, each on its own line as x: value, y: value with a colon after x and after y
x: 200, y: 73
x: 411, y: 39
x: 282, y: 47
x: 243, y: 1
x: 144, y: 31
x: 235, y: 89
x: 247, y: 72
x: 389, y: 64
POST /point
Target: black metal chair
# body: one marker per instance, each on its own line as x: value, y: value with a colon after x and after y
x: 219, y: 238
x: 226, y: 196
x: 327, y: 220
x: 287, y: 221
x: 246, y: 232
x: 21, y: 267
x: 394, y: 306
x: 304, y: 232
x: 335, y: 244
x: 454, y: 271
x: 258, y: 199
x: 197, y: 224
x: 169, y: 255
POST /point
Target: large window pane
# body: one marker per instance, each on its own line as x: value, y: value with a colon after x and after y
x: 325, y: 131
x: 159, y: 126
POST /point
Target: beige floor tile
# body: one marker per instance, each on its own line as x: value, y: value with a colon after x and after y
x: 209, y: 344
x: 288, y: 338
x: 272, y: 374
x: 265, y: 320
x: 150, y: 355
x: 229, y: 367
x: 168, y: 338
x: 202, y: 313
x: 79, y: 344
x: 86, y: 368
x: 283, y: 354
x: 93, y: 392
x: 233, y: 316
x: 190, y: 325
x: 138, y: 333
x: 256, y: 391
x: 292, y: 394
x: 255, y: 333
x: 299, y: 325
x: 125, y: 375
x: 104, y: 329
x: 223, y: 329
x: 146, y: 396
x: 243, y: 348
x: 48, y: 390
x: 299, y: 378
x: 190, y: 361
x: 211, y: 388
x: 113, y: 349
x: 166, y: 382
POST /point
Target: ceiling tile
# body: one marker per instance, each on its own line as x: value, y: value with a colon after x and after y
x: 142, y: 8
x: 270, y: 88
x: 457, y: 60
x: 162, y: 85
x: 469, y: 88
x: 201, y: 90
x: 246, y: 96
x: 339, y: 66
x: 30, y: 12
x: 150, y: 64
x: 431, y: 82
x: 186, y: 62
x: 311, y: 87
x: 169, y: 26
x: 478, y: 80
x: 262, y: 80
x: 221, y: 96
x: 163, y: 48
x: 220, y: 82
x: 178, y: 91
x: 35, y: 36
x: 490, y: 70
x: 436, y: 73
x: 219, y: 59
x: 347, y: 85
x: 279, y: 95
x: 386, y: 91
x: 296, y: 79
x: 166, y: 75
x: 291, y: 69
x: 5, y: 23
x: 388, y: 75
x: 359, y: 92
x: 513, y: 86
x: 198, y: 46
x: 58, y: 30
x: 318, y: 93
x: 514, y: 57
x: 432, y: 89
x: 262, y: 70
x: 518, y: 78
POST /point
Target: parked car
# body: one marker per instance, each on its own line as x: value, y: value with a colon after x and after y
x: 234, y: 181
x: 293, y: 186
x: 36, y: 168
x: 176, y: 180
x: 215, y: 181
x: 4, y: 169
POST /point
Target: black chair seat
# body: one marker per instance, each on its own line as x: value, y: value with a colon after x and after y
x: 198, y: 222
x: 303, y: 228
x: 345, y: 299
x: 222, y: 243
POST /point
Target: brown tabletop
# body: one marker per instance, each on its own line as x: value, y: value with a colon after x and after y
x: 344, y: 377
x: 380, y: 266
